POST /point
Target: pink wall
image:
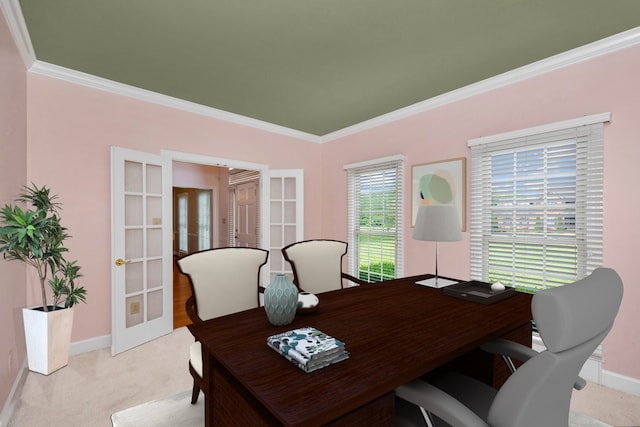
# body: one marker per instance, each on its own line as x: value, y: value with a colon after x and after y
x: 197, y: 176
x: 206, y: 177
x: 606, y: 84
x: 71, y: 129
x: 13, y: 175
x: 70, y: 134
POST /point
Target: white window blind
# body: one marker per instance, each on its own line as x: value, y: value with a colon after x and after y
x: 536, y: 204
x: 375, y: 216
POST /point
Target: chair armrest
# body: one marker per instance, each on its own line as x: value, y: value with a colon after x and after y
x: 190, y: 307
x: 580, y: 383
x: 439, y: 403
x: 513, y: 350
x: 510, y: 349
x: 354, y: 279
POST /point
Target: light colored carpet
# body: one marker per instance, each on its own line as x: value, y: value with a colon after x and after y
x: 177, y: 410
x: 95, y: 384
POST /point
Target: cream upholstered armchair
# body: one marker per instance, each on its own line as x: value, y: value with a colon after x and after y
x: 223, y: 281
x: 572, y: 321
x: 317, y: 265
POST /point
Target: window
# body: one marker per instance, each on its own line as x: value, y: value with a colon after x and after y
x: 204, y: 219
x: 183, y: 238
x: 536, y: 204
x: 375, y: 218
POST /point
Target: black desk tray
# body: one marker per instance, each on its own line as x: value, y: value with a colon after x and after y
x: 478, y: 292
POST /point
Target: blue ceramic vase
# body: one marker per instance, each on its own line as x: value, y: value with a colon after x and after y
x: 281, y: 300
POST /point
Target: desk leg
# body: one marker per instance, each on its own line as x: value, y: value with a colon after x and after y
x: 207, y: 379
x: 234, y: 405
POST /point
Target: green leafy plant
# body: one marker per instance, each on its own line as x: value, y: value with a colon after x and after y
x: 64, y: 285
x: 36, y: 237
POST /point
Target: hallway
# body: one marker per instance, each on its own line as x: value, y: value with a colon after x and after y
x: 181, y: 293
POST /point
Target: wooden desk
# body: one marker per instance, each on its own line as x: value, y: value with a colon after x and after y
x: 395, y: 331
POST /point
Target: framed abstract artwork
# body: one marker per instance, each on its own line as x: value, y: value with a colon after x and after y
x: 440, y: 183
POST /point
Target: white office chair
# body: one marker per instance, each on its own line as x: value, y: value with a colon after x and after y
x: 223, y: 281
x: 572, y: 321
x: 317, y: 265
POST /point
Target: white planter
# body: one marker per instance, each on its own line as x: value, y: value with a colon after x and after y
x: 48, y: 337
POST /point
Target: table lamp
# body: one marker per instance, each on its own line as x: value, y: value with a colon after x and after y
x: 437, y: 223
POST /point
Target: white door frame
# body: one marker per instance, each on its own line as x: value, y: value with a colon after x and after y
x: 265, y: 189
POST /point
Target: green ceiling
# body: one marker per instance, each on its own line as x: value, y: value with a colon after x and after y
x: 315, y: 66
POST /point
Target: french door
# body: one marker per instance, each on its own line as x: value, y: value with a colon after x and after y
x: 286, y: 208
x: 141, y: 269
x: 141, y: 243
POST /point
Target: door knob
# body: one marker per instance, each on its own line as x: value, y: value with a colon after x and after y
x: 121, y: 261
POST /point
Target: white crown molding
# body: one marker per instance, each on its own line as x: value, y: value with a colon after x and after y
x: 593, y: 50
x: 88, y: 80
x: 13, y: 15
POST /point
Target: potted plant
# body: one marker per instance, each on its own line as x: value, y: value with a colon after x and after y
x: 36, y: 237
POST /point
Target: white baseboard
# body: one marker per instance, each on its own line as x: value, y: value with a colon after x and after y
x: 97, y: 343
x: 76, y: 348
x: 621, y: 383
x: 12, y: 399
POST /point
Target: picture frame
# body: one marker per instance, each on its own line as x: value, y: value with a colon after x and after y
x: 451, y: 174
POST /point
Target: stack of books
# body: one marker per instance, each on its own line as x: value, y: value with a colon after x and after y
x: 308, y: 348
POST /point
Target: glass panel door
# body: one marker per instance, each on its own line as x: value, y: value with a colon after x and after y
x: 286, y: 216
x: 141, y: 247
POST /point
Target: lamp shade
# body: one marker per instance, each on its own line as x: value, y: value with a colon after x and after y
x: 437, y: 223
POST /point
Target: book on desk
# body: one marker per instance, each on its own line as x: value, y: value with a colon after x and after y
x: 308, y: 348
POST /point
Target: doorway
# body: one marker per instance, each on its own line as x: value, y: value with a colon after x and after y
x: 213, y: 207
x: 192, y: 220
x: 141, y: 244
x: 192, y: 231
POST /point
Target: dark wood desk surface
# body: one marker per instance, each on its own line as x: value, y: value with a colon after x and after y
x: 395, y: 331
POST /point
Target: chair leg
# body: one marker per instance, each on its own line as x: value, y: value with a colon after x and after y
x: 195, y: 393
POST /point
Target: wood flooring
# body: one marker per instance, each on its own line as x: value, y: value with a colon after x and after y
x: 181, y: 293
